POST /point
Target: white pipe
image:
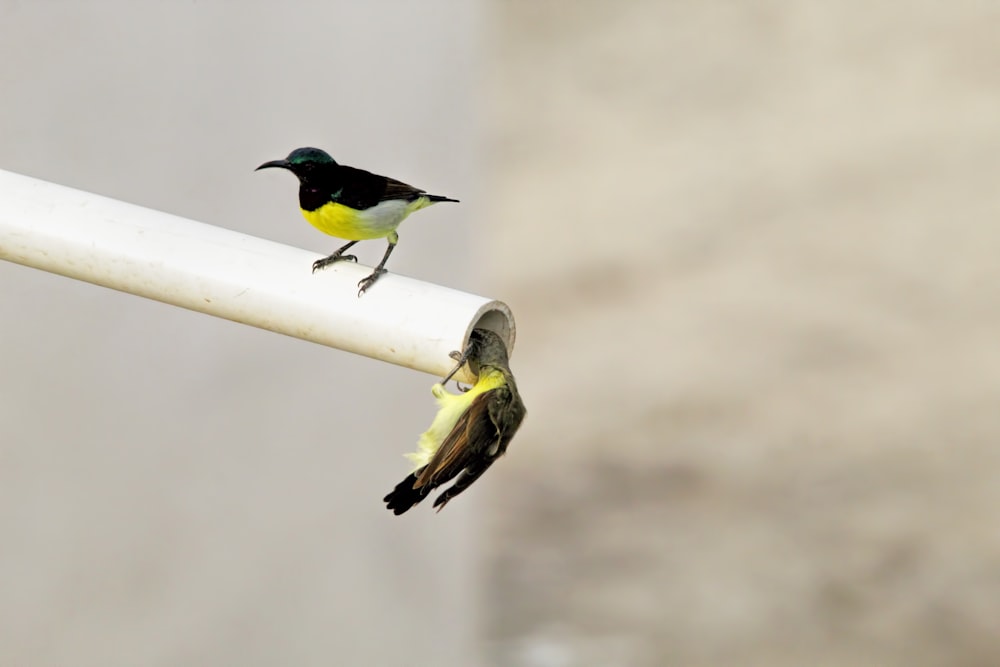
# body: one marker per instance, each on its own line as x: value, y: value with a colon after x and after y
x: 238, y: 277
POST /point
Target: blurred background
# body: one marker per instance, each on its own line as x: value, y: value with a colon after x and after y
x: 752, y: 255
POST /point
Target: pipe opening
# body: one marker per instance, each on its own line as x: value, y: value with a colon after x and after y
x: 496, y: 317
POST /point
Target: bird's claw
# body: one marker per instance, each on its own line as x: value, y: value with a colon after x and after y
x: 332, y: 259
x: 455, y: 355
x: 367, y: 282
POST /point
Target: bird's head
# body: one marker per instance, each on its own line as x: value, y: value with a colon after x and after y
x: 489, y: 350
x: 303, y: 162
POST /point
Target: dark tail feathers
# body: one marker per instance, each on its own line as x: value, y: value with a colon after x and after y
x: 437, y: 198
x: 404, y: 496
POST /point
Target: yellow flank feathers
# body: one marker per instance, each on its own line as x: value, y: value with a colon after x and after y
x: 372, y: 223
x: 451, y: 408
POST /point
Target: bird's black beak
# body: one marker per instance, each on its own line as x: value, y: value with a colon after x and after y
x: 284, y: 164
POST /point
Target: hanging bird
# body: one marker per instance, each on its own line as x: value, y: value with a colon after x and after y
x: 470, y: 431
x: 351, y: 204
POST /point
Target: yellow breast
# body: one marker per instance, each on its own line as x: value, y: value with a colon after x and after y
x: 372, y: 223
x: 341, y: 221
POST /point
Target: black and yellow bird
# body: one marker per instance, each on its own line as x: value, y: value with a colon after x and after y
x: 470, y: 431
x: 351, y: 204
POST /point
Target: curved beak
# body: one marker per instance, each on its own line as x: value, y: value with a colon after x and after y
x: 284, y: 164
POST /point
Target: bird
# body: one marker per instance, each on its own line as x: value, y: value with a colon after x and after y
x: 351, y: 204
x: 470, y: 431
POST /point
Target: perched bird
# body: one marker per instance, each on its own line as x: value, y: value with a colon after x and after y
x: 470, y: 431
x: 351, y: 204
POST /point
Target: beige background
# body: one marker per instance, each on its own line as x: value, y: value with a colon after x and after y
x: 752, y: 252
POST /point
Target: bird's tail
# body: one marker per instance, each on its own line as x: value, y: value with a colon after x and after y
x: 436, y: 198
x: 404, y: 496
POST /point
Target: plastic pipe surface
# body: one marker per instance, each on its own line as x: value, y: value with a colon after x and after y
x: 239, y: 277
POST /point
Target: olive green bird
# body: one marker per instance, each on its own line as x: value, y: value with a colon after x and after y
x: 470, y: 431
x: 351, y: 204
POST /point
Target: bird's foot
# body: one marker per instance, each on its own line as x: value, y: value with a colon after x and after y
x: 332, y: 259
x: 460, y: 358
x: 365, y: 283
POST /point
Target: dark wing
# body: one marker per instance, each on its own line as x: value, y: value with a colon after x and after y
x: 398, y: 190
x: 507, y: 412
x: 487, y: 438
x: 450, y: 459
x: 479, y: 438
x: 362, y: 189
x: 461, y: 445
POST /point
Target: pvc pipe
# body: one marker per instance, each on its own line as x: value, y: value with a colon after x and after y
x: 239, y: 277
